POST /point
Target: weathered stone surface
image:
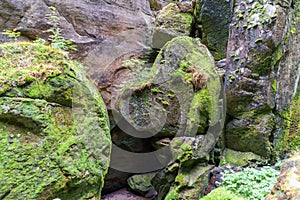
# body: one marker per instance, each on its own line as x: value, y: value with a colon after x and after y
x: 288, y: 181
x: 173, y: 20
x: 141, y: 183
x: 213, y: 18
x: 190, y: 184
x: 55, y: 140
x: 103, y: 30
x: 257, y: 48
x: 238, y: 158
x: 252, y: 132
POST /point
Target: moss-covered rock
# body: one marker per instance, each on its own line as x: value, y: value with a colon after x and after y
x: 262, y: 74
x: 175, y: 19
x: 176, y: 100
x: 141, y: 183
x: 290, y: 135
x: 239, y: 158
x: 189, y: 183
x: 251, y: 133
x: 221, y: 193
x: 54, y: 131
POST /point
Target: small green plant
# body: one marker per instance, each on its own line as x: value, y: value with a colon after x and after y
x: 56, y: 39
x: 12, y: 34
x: 251, y: 183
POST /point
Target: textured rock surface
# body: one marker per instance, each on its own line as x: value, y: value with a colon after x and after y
x: 238, y: 158
x: 213, y: 18
x: 103, y: 30
x: 141, y: 183
x: 189, y: 184
x: 54, y: 127
x: 288, y: 181
x: 258, y: 58
x: 184, y: 71
x: 173, y: 20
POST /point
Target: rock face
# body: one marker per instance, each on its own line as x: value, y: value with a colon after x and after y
x: 103, y: 30
x: 213, y: 18
x: 55, y: 140
x: 288, y: 181
x: 256, y: 64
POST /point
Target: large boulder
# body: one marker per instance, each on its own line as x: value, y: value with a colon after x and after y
x: 54, y: 140
x: 176, y: 101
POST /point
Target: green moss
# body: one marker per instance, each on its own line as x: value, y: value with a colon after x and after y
x: 48, y: 149
x: 239, y: 158
x: 293, y: 30
x: 173, y: 195
x: 185, y: 153
x: 165, y: 103
x: 274, y: 85
x: 291, y: 117
x: 156, y: 90
x: 171, y: 18
x: 221, y: 193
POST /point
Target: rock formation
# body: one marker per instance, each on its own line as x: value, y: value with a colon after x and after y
x: 54, y: 127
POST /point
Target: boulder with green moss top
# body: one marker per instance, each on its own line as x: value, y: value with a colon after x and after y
x: 179, y: 97
x: 174, y: 96
x: 141, y: 183
x: 54, y: 131
x: 175, y: 19
x: 288, y: 181
x: 239, y: 158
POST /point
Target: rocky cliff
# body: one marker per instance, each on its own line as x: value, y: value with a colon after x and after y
x: 160, y: 67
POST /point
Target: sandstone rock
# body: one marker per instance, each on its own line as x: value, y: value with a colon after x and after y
x: 252, y: 133
x: 160, y: 93
x: 213, y: 18
x: 55, y: 140
x: 238, y: 158
x: 103, y: 30
x: 175, y: 19
x: 288, y: 181
x: 255, y: 56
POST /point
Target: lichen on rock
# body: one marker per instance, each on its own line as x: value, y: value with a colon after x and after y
x: 54, y: 139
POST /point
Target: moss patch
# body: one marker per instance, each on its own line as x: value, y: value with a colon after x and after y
x: 221, y: 193
x: 239, y: 158
x: 54, y: 132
